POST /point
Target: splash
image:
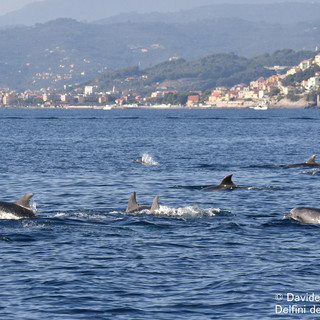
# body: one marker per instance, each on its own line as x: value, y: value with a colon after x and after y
x: 148, y: 160
x: 81, y: 215
x: 34, y: 206
x: 186, y: 212
x: 312, y: 172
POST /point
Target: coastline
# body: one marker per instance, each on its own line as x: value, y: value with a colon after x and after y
x: 282, y: 104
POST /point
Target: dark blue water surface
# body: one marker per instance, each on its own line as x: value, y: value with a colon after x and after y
x: 203, y: 255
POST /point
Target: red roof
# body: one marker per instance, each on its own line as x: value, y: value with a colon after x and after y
x: 193, y: 98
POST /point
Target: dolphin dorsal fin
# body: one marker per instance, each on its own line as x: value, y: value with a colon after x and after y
x: 227, y: 180
x: 312, y: 159
x: 155, y: 204
x: 25, y: 201
x: 132, y: 205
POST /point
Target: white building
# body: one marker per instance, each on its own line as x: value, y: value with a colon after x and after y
x: 305, y: 64
x: 88, y: 90
x: 313, y: 83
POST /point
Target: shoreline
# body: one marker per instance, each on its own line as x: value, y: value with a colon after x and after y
x: 282, y: 104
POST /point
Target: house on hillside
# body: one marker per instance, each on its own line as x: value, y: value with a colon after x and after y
x: 305, y: 64
x: 293, y: 70
x: 214, y: 97
x: 317, y: 59
x: 259, y: 84
x: 287, y: 90
x: 313, y: 83
x: 193, y: 100
x: 248, y: 94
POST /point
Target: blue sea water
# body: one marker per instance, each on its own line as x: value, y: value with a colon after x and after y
x: 202, y: 255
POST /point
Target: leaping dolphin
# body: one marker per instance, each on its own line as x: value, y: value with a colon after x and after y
x: 19, y: 210
x: 226, y: 184
x: 311, y: 162
x: 134, y: 207
x: 304, y: 214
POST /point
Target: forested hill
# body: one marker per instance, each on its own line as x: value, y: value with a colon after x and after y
x: 65, y: 51
x: 223, y: 69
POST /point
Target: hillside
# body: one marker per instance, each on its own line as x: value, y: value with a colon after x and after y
x: 65, y: 51
x: 202, y: 74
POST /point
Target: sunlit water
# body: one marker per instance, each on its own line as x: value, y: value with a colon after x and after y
x: 202, y: 255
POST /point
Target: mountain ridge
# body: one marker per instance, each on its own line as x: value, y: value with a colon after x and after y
x: 282, y: 13
x: 65, y: 51
x: 95, y: 10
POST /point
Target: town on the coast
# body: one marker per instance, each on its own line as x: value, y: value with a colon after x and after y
x: 290, y: 87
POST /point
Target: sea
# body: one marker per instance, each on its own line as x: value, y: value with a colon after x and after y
x: 226, y: 254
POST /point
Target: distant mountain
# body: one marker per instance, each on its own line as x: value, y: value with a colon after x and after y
x: 92, y: 10
x: 282, y: 13
x: 65, y: 51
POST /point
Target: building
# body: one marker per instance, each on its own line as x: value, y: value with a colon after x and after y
x: 67, y: 98
x: 103, y: 99
x: 247, y: 94
x: 259, y: 84
x: 305, y: 64
x: 157, y: 94
x: 293, y: 71
x: 313, y: 83
x: 193, y: 100
x: 88, y: 90
x: 214, y: 97
x: 287, y: 90
x: 9, y: 98
x: 317, y: 59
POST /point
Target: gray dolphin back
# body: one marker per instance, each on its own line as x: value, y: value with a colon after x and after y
x: 311, y: 160
x: 155, y: 204
x: 305, y: 215
x: 19, y: 209
x: 132, y: 205
x: 25, y: 201
x: 227, y: 181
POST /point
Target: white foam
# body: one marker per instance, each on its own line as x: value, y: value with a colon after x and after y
x: 80, y: 215
x: 148, y: 160
x: 186, y: 212
x: 34, y: 206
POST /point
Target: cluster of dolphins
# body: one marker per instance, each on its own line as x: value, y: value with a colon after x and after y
x: 22, y: 209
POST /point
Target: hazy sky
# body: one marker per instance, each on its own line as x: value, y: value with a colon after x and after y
x: 10, y: 5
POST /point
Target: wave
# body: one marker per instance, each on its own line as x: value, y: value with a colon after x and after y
x: 80, y: 215
x: 312, y: 172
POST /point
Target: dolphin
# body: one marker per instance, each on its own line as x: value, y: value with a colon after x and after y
x: 226, y: 184
x: 140, y: 161
x: 311, y: 162
x: 134, y: 207
x: 304, y: 214
x: 18, y: 210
